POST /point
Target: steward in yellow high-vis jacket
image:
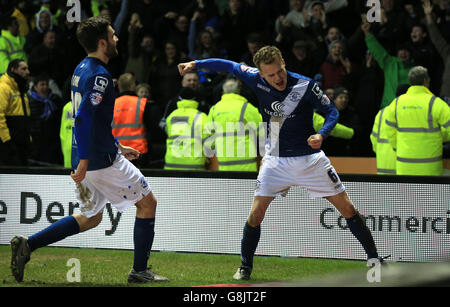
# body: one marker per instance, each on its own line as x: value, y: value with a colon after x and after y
x: 11, y: 44
x: 185, y: 135
x: 414, y: 124
x: 65, y: 133
x: 385, y: 154
x: 14, y: 115
x: 235, y: 123
x: 339, y: 131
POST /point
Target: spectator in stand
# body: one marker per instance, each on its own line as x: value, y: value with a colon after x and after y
x: 254, y: 42
x: 166, y: 78
x: 338, y: 146
x: 333, y: 34
x: 263, y: 14
x: 20, y: 14
x: 296, y: 17
x: 142, y: 54
x: 156, y: 137
x: 424, y: 54
x: 53, y: 7
x: 337, y: 69
x: 46, y: 109
x: 318, y: 21
x: 412, y: 15
x: 119, y: 19
x: 14, y: 115
x: 150, y: 12
x: 73, y: 52
x: 368, y: 99
x: 36, y: 36
x: 143, y: 90
x: 202, y: 44
x: 304, y: 58
x: 49, y: 59
x: 292, y: 26
x: 390, y: 31
x: 395, y: 68
x: 235, y: 26
x: 208, y: 11
x: 11, y: 44
x: 441, y: 12
x: 175, y: 27
x: 443, y: 48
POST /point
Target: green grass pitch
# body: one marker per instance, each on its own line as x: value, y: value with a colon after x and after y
x: 48, y: 267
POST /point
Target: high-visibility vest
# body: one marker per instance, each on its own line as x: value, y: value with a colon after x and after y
x: 339, y: 131
x: 236, y: 125
x: 385, y: 154
x: 14, y: 109
x: 414, y: 122
x: 128, y: 122
x: 186, y: 133
x: 65, y: 133
x: 11, y: 47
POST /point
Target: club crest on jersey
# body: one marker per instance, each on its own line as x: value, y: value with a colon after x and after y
x: 294, y: 96
x: 95, y: 98
x: 100, y: 84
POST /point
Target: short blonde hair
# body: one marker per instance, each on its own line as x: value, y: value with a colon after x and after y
x: 127, y: 82
x: 267, y: 55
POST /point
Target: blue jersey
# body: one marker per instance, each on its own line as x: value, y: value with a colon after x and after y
x: 93, y: 96
x: 288, y: 114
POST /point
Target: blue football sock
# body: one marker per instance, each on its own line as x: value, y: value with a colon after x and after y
x: 363, y: 234
x: 67, y: 226
x: 144, y: 232
x: 249, y: 242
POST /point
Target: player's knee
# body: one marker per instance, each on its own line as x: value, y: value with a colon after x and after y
x: 146, y: 207
x: 95, y: 220
x: 86, y: 223
x: 150, y: 202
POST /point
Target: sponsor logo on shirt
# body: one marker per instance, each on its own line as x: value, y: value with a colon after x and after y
x: 317, y: 91
x: 278, y: 114
x: 96, y: 98
x: 278, y: 110
x: 325, y: 100
x: 264, y: 88
x: 100, y: 84
x: 277, y: 106
x: 251, y: 70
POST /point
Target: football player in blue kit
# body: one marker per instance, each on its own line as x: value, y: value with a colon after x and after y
x: 103, y: 173
x: 293, y: 156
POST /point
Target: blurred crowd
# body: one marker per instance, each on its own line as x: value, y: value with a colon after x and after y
x: 329, y: 41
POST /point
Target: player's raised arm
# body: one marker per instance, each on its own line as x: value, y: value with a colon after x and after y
x: 242, y: 72
x: 184, y: 68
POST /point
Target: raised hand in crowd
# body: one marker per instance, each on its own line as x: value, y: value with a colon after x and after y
x: 427, y: 9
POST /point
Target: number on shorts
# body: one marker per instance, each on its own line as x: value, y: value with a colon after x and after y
x: 334, y: 178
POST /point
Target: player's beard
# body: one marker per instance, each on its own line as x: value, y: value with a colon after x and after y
x: 111, y: 51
